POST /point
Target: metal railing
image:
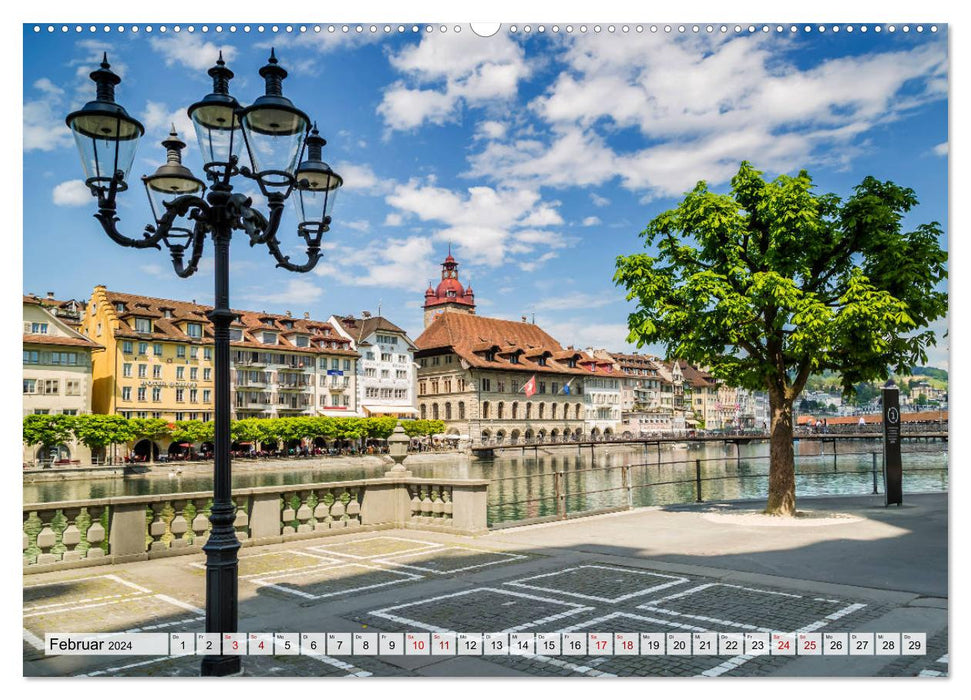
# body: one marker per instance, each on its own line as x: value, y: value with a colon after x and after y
x: 561, y: 494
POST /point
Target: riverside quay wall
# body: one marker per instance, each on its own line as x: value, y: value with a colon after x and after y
x: 69, y: 534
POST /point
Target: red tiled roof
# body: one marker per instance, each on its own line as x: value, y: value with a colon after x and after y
x: 471, y: 337
x: 40, y: 339
x: 252, y: 323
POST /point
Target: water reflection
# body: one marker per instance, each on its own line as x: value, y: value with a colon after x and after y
x: 523, y: 484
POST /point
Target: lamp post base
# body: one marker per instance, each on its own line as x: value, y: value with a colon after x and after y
x: 221, y: 666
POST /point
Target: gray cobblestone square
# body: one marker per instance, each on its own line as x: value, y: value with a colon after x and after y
x: 333, y: 580
x: 601, y: 583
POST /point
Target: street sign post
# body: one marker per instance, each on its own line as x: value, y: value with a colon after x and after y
x: 892, y: 466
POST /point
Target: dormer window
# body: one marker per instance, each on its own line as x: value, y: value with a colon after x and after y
x: 120, y: 306
x: 143, y: 325
x: 167, y: 313
x: 269, y: 338
x: 541, y: 361
x: 571, y: 362
x: 490, y: 355
x: 235, y: 334
x: 288, y: 325
x: 193, y: 330
x: 301, y: 341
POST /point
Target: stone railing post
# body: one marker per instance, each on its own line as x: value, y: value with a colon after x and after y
x: 265, y: 520
x: 128, y: 532
x: 469, y: 506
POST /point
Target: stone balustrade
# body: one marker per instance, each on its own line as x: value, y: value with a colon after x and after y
x: 70, y: 534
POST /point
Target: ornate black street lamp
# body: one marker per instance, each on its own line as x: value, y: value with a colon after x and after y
x: 274, y: 133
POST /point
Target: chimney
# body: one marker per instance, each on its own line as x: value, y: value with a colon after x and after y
x: 366, y: 314
x: 289, y: 315
x: 524, y: 318
x: 306, y: 315
x: 50, y: 295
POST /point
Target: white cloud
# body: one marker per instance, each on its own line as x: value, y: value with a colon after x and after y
x: 705, y: 103
x: 358, y: 224
x: 584, y: 334
x: 591, y: 221
x: 445, y: 71
x: 491, y: 130
x: 44, y: 127
x: 598, y: 201
x: 483, y: 223
x: 400, y: 263
x: 577, y: 300
x: 158, y: 120
x: 360, y: 177
x: 941, y: 149
x: 393, y: 220
x: 191, y: 50
x: 297, y: 292
x: 72, y: 193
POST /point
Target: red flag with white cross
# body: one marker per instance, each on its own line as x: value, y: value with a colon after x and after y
x: 530, y: 387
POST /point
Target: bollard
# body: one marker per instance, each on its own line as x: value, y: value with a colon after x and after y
x: 560, y: 495
x: 625, y: 480
x: 698, y: 499
x: 834, y: 454
x: 874, y: 455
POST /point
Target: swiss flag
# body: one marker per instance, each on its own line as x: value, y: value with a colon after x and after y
x: 530, y: 387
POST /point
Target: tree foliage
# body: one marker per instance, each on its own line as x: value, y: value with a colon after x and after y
x: 97, y: 431
x: 772, y: 282
x: 416, y: 428
x: 48, y: 430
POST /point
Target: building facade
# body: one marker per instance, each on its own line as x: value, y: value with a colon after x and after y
x: 158, y: 361
x: 386, y: 376
x: 57, y: 373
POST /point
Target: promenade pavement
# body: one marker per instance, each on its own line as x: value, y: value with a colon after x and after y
x: 849, y: 565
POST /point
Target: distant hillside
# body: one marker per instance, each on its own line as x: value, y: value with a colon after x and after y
x: 932, y: 372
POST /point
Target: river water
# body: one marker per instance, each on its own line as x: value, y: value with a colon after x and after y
x: 523, y: 483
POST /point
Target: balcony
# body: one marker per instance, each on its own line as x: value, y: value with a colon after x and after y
x: 295, y: 386
x: 250, y: 360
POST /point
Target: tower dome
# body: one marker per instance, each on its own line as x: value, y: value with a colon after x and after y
x: 450, y: 294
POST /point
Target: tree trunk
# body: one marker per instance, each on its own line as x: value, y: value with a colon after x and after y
x: 782, y: 466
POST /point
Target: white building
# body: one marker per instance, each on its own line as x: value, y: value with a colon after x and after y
x: 386, y: 371
x: 56, y: 374
x: 603, y: 396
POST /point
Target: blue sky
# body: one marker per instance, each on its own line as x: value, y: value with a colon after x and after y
x: 538, y: 157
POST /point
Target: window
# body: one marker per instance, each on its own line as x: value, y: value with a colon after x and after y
x: 141, y: 393
x: 180, y: 351
x: 167, y: 313
x: 127, y: 347
x: 424, y: 412
x: 206, y: 374
x: 206, y: 396
x: 179, y: 415
x: 157, y: 349
x: 542, y: 387
x: 143, y: 371
x: 38, y: 328
x: 435, y: 411
x: 369, y: 355
x: 180, y: 372
x: 485, y: 409
x: 31, y: 357
x: 207, y: 352
x: 69, y: 411
x: 370, y: 372
x: 371, y: 392
x: 500, y: 385
x: 385, y: 374
x: 335, y: 364
x: 486, y: 384
x: 421, y: 388
x: 193, y: 352
x: 235, y: 334
x: 194, y: 395
x: 126, y: 369
x: 126, y: 393
x: 436, y: 360
x: 41, y: 411
x: 402, y: 358
x: 460, y: 384
x: 156, y: 393
x: 120, y: 306
x: 30, y: 386
x: 434, y: 386
x: 461, y: 410
x: 402, y: 374
x: 194, y: 373
x: 269, y: 338
x: 72, y: 387
x: 180, y: 395
x: 347, y: 365
x: 302, y: 341
x: 64, y: 358
x: 143, y: 348
x: 143, y: 325
x: 193, y: 330
x: 156, y: 371
x: 385, y: 357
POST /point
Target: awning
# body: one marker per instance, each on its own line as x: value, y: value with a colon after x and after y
x: 386, y: 410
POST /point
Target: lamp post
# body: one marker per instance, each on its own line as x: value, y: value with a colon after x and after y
x: 273, y: 133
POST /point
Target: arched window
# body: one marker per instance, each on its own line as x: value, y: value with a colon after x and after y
x: 553, y: 411
x: 542, y: 410
x: 448, y: 411
x: 485, y: 409
x: 529, y: 410
x: 424, y: 412
x: 434, y: 411
x: 500, y: 408
x: 515, y: 410
x: 576, y: 413
x: 461, y: 410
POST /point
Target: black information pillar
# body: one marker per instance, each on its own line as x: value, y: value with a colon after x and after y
x: 892, y: 467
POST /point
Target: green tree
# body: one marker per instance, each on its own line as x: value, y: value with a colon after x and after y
x: 48, y: 430
x: 149, y: 429
x: 773, y: 281
x: 414, y: 428
x: 99, y: 431
x: 191, y: 431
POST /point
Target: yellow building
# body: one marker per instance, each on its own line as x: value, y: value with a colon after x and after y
x: 158, y: 359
